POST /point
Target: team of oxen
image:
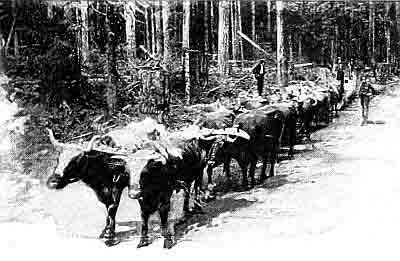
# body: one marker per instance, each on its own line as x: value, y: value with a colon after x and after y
x: 164, y: 162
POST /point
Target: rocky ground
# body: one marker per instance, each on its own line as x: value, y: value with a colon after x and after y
x: 336, y: 199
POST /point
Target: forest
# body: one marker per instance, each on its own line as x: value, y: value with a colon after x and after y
x: 83, y: 64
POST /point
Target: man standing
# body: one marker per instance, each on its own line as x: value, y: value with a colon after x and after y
x: 259, y: 72
x: 340, y: 78
x: 366, y: 92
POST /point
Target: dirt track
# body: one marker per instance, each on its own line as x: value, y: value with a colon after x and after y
x: 340, y: 196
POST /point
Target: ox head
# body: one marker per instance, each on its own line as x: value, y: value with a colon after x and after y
x: 221, y: 141
x: 72, y: 163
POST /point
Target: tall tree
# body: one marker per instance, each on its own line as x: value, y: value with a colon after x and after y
x: 269, y: 16
x: 153, y: 30
x: 223, y: 36
x: 235, y: 47
x: 111, y: 92
x: 130, y: 28
x: 159, y: 29
x: 186, y: 46
x: 387, y: 30
x: 212, y: 27
x: 371, y: 23
x: 239, y: 27
x: 398, y: 32
x: 253, y: 20
x: 280, y: 69
x: 84, y: 30
x: 206, y: 26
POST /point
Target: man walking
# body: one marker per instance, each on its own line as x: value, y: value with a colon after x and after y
x: 366, y: 92
x: 259, y: 72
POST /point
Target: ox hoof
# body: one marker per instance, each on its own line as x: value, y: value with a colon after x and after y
x: 112, y: 242
x: 263, y: 178
x: 168, y: 243
x: 107, y: 234
x: 144, y: 241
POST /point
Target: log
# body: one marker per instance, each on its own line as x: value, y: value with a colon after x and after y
x: 254, y: 44
x: 10, y: 35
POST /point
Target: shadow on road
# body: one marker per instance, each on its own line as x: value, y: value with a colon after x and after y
x: 226, y: 204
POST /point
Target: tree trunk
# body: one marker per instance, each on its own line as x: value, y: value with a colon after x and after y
x: 159, y: 31
x: 290, y: 47
x: 235, y: 48
x: 279, y: 45
x: 223, y: 37
x: 398, y: 32
x: 300, y: 47
x: 387, y: 30
x: 130, y: 28
x: 239, y: 27
x: 168, y: 29
x: 147, y: 43
x: 253, y: 20
x: 212, y: 27
x: 186, y: 46
x: 84, y: 31
x: 111, y: 91
x: 153, y: 30
x: 206, y: 33
x: 269, y: 29
x: 372, y: 32
x: 337, y: 45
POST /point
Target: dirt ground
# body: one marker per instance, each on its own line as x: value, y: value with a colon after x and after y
x: 336, y: 199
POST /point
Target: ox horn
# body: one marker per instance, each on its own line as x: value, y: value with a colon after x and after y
x: 59, y: 145
x: 234, y: 132
x: 91, y: 142
x: 315, y: 101
x: 53, y: 140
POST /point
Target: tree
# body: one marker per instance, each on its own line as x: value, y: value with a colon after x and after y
x: 387, y: 30
x: 84, y: 22
x: 130, y: 28
x: 269, y: 29
x: 280, y: 59
x: 168, y: 31
x: 159, y: 30
x: 371, y: 32
x: 223, y: 37
x: 253, y: 20
x: 186, y: 46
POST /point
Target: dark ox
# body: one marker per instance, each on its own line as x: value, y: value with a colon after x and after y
x: 264, y: 128
x: 107, y: 174
x: 160, y: 177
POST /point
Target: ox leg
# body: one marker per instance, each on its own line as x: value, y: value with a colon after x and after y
x: 227, y: 172
x: 252, y: 171
x: 263, y: 176
x: 272, y: 163
x: 109, y: 230
x: 209, y: 193
x: 144, y: 238
x: 243, y: 167
x: 165, y: 231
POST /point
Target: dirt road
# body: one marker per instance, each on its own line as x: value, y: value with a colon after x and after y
x: 336, y: 200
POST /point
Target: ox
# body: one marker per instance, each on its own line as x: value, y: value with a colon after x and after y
x: 264, y: 129
x: 160, y: 177
x: 99, y: 170
x: 108, y: 173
